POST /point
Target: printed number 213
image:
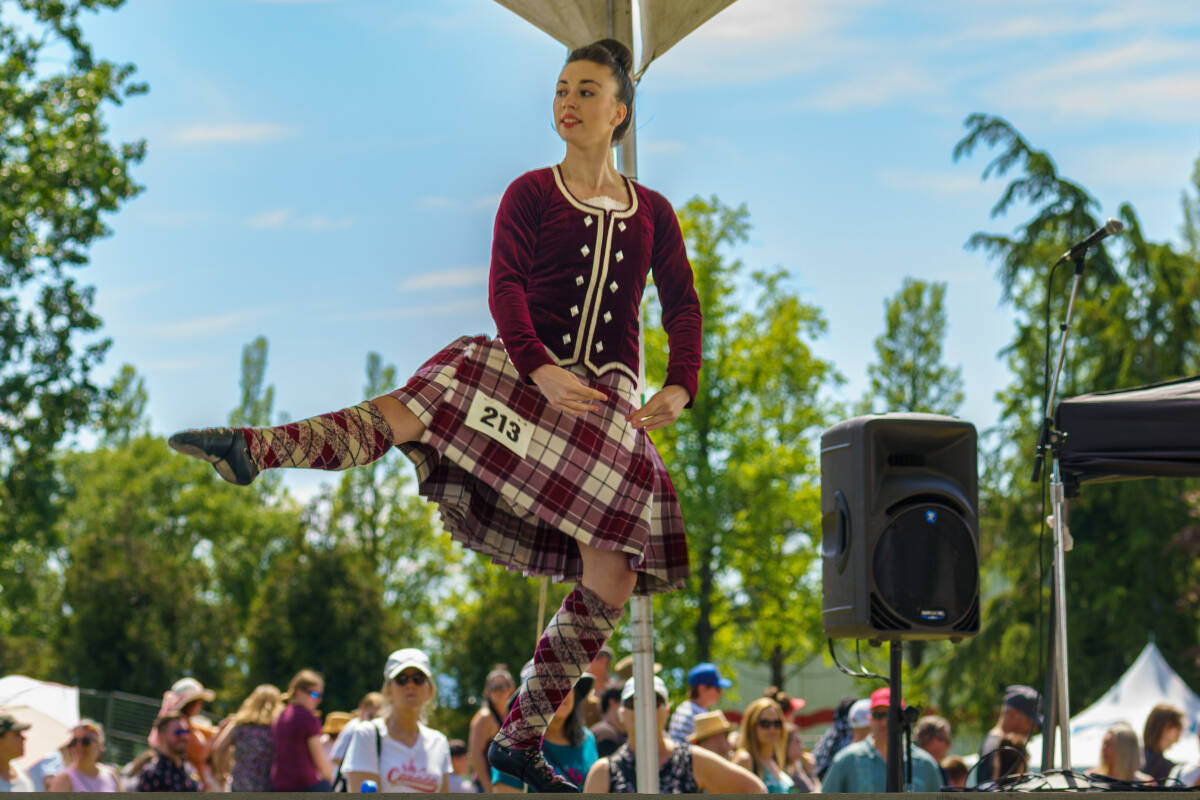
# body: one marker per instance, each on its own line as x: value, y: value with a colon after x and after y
x: 500, y: 422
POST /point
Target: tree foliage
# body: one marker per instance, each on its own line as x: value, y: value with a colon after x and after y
x: 908, y: 373
x: 741, y: 459
x: 1137, y: 321
x: 59, y: 176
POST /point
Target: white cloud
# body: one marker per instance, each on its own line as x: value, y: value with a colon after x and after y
x: 123, y: 294
x: 435, y: 201
x: 464, y: 306
x: 176, y: 218
x: 445, y: 279
x: 938, y: 183
x: 487, y: 201
x: 176, y: 365
x: 1134, y: 165
x: 208, y: 326
x: 320, y: 222
x: 877, y: 89
x: 270, y: 219
x: 229, y: 133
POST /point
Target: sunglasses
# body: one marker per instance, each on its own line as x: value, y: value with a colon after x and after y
x: 880, y: 713
x: 658, y: 703
x: 498, y: 687
x: 315, y: 695
x: 181, y: 731
x: 770, y: 723
x: 417, y: 678
x: 83, y: 740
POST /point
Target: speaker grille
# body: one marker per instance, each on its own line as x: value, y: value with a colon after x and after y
x: 970, y: 622
x: 925, y: 567
x: 884, y: 620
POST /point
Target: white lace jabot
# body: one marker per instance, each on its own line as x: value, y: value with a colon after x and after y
x: 602, y: 201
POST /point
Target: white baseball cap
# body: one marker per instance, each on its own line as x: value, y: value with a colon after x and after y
x: 860, y: 713
x: 408, y: 658
x: 660, y: 689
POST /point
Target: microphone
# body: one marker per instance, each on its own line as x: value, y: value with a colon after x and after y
x: 1110, y: 228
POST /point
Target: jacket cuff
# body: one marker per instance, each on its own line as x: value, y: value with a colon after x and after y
x: 685, y: 378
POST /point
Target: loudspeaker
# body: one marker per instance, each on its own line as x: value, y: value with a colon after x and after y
x: 900, y: 528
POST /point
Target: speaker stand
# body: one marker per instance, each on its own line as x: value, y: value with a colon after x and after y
x: 895, y: 760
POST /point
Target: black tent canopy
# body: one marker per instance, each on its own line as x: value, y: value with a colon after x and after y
x: 1142, y: 432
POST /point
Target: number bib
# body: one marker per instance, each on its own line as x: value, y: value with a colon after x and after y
x: 497, y: 421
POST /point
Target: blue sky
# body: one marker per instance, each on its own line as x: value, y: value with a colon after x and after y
x: 325, y: 172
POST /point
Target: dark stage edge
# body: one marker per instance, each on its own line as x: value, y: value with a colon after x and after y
x: 866, y: 796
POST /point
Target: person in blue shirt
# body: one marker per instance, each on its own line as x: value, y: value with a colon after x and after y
x: 568, y: 747
x: 862, y: 766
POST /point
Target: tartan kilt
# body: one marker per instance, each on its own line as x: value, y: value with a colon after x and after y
x: 593, y: 479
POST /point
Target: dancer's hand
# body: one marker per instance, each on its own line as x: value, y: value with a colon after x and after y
x: 564, y: 391
x: 660, y: 410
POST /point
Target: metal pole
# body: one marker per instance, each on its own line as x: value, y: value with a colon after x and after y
x: 1062, y: 693
x: 894, y: 758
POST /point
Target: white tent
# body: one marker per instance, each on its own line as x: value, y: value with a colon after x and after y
x: 1148, y: 682
x: 51, y: 708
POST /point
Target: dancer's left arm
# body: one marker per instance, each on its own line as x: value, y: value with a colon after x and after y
x: 680, y: 318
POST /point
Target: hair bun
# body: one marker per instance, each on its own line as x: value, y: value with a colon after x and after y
x: 622, y: 54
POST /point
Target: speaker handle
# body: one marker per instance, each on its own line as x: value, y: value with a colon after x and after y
x: 838, y: 550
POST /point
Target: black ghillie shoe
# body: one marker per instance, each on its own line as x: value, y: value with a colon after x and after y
x: 530, y: 768
x: 224, y: 448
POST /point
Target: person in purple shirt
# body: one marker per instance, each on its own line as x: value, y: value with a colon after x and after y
x: 300, y: 761
x: 534, y: 443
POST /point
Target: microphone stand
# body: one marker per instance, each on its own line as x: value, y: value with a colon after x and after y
x: 1052, y: 439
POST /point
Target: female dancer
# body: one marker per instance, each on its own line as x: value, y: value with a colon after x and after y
x: 532, y: 444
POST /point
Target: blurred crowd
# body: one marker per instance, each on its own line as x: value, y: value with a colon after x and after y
x: 278, y: 741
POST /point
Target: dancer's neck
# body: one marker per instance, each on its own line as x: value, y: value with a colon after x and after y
x: 591, y: 169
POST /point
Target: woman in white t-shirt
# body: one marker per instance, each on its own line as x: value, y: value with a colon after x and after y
x: 398, y: 752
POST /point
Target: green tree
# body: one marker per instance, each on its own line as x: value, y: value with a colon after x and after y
x: 123, y: 409
x: 258, y: 398
x: 908, y: 373
x: 59, y: 175
x: 1137, y: 321
x: 320, y: 607
x: 375, y: 509
x: 1191, y: 213
x: 740, y: 458
x: 145, y: 598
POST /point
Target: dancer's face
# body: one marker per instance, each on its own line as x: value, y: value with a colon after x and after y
x: 586, y: 109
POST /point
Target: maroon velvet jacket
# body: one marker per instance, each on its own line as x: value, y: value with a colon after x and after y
x: 567, y: 279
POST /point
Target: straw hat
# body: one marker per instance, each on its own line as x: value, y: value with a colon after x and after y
x: 624, y: 668
x: 185, y: 690
x: 335, y: 721
x: 709, y: 724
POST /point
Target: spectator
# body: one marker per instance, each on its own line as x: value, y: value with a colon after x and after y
x: 788, y: 705
x: 1020, y: 714
x: 300, y: 762
x: 249, y: 740
x: 1011, y: 761
x: 84, y: 772
x: 498, y: 689
x: 46, y: 767
x: 799, y: 764
x: 398, y: 751
x: 838, y: 736
x: 683, y: 769
x: 712, y: 732
x: 331, y: 730
x: 607, y: 731
x: 460, y: 775
x: 188, y: 696
x: 862, y: 766
x: 169, y: 769
x: 12, y: 747
x: 598, y: 669
x: 764, y: 746
x: 1120, y: 755
x: 368, y: 708
x: 705, y: 685
x: 568, y: 747
x: 1163, y: 728
x: 624, y: 669
x: 860, y: 720
x: 932, y: 734
x: 955, y: 770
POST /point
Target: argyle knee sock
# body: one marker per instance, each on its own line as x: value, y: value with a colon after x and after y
x: 339, y: 440
x: 572, y: 639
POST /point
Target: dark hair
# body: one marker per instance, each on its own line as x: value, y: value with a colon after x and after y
x: 955, y: 768
x: 611, y: 695
x: 457, y: 748
x: 1162, y: 716
x: 163, y: 719
x: 929, y: 728
x: 617, y: 57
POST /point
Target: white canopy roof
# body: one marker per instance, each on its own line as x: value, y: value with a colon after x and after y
x: 60, y: 703
x: 664, y: 23
x: 1148, y: 682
